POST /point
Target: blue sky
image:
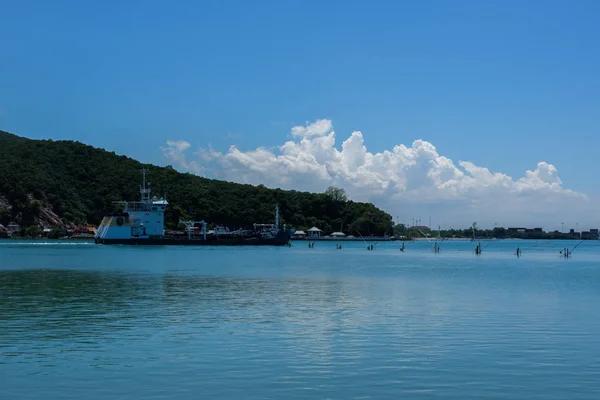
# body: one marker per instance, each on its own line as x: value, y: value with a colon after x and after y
x: 503, y: 85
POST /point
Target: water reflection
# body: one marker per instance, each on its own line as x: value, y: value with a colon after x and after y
x: 377, y: 330
x: 86, y: 307
x: 39, y: 307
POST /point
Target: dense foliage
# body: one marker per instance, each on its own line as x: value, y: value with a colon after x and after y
x: 79, y: 183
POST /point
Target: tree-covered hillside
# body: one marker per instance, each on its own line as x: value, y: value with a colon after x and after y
x: 46, y: 182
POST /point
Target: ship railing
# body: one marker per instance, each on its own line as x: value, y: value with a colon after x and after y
x: 190, y: 227
x: 134, y: 205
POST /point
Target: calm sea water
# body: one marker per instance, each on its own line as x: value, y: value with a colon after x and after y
x: 81, y: 321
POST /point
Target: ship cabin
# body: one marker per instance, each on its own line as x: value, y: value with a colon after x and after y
x: 265, y: 230
x: 139, y: 219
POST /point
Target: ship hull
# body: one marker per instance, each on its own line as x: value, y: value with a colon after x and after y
x: 279, y: 240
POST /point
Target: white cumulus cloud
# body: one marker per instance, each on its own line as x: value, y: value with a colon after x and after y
x: 175, y: 151
x: 407, y: 181
x: 318, y: 128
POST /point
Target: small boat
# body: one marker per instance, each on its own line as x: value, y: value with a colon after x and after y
x: 142, y: 223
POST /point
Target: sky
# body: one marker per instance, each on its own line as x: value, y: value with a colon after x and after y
x: 460, y: 111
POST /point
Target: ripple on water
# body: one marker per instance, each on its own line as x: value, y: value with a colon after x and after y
x: 272, y: 323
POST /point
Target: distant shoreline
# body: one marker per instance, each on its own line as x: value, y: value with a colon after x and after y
x: 390, y: 239
x: 330, y: 239
x: 490, y: 239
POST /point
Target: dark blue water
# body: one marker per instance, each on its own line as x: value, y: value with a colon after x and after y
x: 80, y: 321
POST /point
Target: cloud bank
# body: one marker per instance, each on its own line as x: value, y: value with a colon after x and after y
x: 407, y: 181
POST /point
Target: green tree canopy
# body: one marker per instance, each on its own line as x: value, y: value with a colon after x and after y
x: 336, y: 194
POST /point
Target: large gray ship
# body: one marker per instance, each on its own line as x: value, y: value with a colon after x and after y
x: 142, y: 223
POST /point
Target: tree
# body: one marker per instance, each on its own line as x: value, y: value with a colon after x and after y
x: 336, y: 194
x: 33, y: 231
x: 4, y: 217
x: 399, y: 230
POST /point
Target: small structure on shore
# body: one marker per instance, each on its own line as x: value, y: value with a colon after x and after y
x: 314, y: 233
x: 12, y: 228
x: 299, y: 235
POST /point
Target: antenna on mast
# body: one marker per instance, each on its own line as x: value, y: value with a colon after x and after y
x: 144, y: 189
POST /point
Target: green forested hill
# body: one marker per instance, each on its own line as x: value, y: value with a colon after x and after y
x: 45, y: 182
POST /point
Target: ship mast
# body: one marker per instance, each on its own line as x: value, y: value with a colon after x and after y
x: 145, y: 189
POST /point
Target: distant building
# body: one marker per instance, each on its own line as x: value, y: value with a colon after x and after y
x: 573, y: 233
x: 13, y: 228
x: 534, y: 230
x: 85, y: 231
x: 591, y: 234
x: 519, y: 230
x: 299, y: 235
